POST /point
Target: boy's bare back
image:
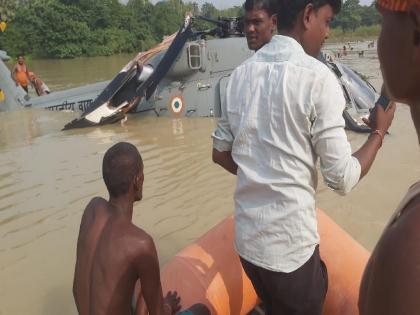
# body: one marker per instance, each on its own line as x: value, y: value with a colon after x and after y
x: 111, y: 255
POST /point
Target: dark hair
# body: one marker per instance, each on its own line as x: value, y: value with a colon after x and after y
x: 121, y: 164
x: 288, y: 10
x: 269, y: 6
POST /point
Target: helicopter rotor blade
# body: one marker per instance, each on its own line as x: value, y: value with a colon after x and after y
x: 149, y: 86
x: 217, y: 22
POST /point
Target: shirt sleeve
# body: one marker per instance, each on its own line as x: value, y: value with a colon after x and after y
x: 341, y: 171
x: 222, y: 136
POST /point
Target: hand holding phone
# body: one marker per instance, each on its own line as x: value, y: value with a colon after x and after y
x: 384, y: 101
x: 386, y: 104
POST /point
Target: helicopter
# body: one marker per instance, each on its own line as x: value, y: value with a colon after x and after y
x: 184, y: 76
x: 187, y: 75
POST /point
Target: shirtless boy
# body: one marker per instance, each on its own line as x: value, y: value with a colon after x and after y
x: 113, y: 253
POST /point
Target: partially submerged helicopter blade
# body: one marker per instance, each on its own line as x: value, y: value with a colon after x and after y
x: 132, y: 83
x: 149, y: 86
x: 102, y: 115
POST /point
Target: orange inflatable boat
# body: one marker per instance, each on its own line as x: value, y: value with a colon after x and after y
x: 209, y: 271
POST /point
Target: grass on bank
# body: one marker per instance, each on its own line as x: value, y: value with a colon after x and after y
x: 360, y: 33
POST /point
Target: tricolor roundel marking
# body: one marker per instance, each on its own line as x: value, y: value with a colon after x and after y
x: 177, y: 105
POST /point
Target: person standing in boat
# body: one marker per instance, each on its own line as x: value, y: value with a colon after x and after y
x: 282, y: 111
x: 113, y: 254
x: 20, y: 73
x: 391, y: 280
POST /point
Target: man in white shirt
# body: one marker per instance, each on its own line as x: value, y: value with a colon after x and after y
x: 282, y: 110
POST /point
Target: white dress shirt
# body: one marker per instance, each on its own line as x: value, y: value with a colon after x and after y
x: 282, y: 110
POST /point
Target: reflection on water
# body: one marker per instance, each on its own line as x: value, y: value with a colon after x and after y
x: 48, y: 176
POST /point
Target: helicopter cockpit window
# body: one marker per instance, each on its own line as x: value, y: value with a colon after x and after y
x: 194, y: 56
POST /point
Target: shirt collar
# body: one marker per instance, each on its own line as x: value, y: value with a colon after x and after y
x: 279, y: 48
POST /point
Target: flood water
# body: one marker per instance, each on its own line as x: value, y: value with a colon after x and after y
x: 48, y: 176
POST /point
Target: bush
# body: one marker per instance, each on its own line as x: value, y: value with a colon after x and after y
x: 360, y: 33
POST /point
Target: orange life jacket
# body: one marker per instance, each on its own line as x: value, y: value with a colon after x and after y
x: 21, y: 76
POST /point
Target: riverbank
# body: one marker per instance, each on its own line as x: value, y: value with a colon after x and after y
x: 359, y: 34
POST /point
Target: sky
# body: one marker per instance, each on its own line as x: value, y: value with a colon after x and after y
x: 223, y: 4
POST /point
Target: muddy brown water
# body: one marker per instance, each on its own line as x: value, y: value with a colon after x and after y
x: 47, y: 177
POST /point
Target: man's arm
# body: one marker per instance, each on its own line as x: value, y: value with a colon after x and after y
x: 394, y: 273
x: 225, y: 160
x: 81, y: 258
x: 27, y: 73
x: 367, y: 153
x: 149, y: 274
x: 223, y: 140
x: 342, y: 170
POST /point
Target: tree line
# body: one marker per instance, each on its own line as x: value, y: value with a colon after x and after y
x: 354, y: 15
x: 73, y: 28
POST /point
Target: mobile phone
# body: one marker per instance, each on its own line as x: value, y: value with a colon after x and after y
x: 382, y: 101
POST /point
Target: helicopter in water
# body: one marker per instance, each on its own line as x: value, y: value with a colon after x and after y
x: 187, y: 75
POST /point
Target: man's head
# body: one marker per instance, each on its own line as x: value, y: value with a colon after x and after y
x: 260, y: 22
x: 308, y: 21
x: 399, y: 52
x: 21, y: 59
x: 31, y: 76
x: 399, y: 49
x: 122, y: 170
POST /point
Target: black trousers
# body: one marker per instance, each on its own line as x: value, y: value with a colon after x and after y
x: 301, y: 292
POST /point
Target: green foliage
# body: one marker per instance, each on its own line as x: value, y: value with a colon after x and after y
x: 234, y: 11
x: 370, y: 16
x: 354, y: 15
x: 167, y: 17
x: 7, y: 9
x: 209, y: 10
x: 360, y: 33
x: 72, y: 28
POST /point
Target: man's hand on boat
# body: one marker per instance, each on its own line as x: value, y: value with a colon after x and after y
x: 173, y: 301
